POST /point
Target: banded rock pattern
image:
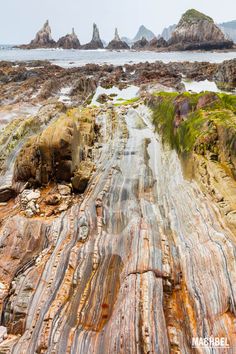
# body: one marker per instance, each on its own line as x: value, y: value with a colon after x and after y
x: 131, y: 268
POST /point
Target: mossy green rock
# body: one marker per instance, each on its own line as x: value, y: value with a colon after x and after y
x: 207, y: 127
x: 193, y: 15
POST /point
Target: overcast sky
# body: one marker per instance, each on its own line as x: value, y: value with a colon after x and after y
x: 21, y: 19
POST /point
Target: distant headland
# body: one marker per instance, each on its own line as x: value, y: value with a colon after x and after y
x: 195, y: 31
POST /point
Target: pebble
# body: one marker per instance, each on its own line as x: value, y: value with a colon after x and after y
x: 33, y: 195
x: 64, y: 189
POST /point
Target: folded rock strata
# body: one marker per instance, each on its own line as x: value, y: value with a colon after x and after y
x: 127, y: 264
x: 127, y: 269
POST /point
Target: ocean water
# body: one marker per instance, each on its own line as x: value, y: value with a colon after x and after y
x: 205, y: 85
x: 119, y: 95
x: 75, y: 58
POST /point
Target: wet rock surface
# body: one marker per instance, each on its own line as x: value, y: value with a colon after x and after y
x: 6, y: 193
x: 201, y: 128
x: 82, y: 176
x: 35, y: 82
x: 108, y: 245
x: 3, y: 333
x: 226, y: 75
x: 57, y: 151
x: 81, y: 278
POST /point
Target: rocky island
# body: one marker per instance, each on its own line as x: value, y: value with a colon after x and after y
x: 195, y: 31
x: 43, y: 39
x: 141, y: 44
x: 96, y: 42
x: 198, y: 31
x: 70, y: 41
x: 117, y: 43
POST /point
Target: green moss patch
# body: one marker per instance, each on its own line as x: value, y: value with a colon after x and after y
x: 126, y: 102
x: 193, y: 15
x: 184, y: 130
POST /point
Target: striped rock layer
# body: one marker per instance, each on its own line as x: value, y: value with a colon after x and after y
x: 142, y: 264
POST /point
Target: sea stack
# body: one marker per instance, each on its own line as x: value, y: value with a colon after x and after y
x: 43, y: 39
x: 140, y: 44
x: 158, y: 43
x: 70, y: 41
x: 117, y: 43
x: 195, y: 30
x: 96, y: 42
